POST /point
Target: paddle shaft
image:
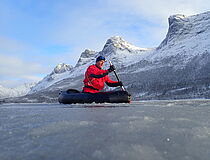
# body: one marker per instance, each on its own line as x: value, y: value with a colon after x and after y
x: 123, y: 88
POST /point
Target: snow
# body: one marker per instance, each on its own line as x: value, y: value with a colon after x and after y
x: 17, y: 91
x: 148, y: 130
x: 120, y: 43
x: 60, y: 68
x: 60, y: 72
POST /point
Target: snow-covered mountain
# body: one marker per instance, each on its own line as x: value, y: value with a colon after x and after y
x: 116, y: 49
x: 122, y: 53
x: 116, y: 44
x: 187, y: 36
x: 178, y: 68
x: 17, y: 91
x: 60, y: 72
x: 86, y: 56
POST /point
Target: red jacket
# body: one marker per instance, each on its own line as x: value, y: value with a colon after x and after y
x: 95, y: 78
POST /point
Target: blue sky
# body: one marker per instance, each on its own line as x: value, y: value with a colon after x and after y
x: 36, y: 35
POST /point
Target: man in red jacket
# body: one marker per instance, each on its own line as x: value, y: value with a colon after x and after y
x: 95, y: 77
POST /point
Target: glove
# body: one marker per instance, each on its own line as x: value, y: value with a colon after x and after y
x: 120, y: 83
x: 111, y: 68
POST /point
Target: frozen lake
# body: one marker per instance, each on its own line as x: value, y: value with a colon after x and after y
x: 147, y: 130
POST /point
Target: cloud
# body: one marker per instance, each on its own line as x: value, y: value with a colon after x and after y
x: 21, y: 63
x: 161, y: 9
x: 142, y: 23
x: 90, y: 27
x: 15, y: 68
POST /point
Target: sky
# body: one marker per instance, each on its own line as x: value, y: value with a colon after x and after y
x: 36, y: 35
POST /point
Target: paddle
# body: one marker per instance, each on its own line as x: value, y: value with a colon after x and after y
x: 123, y: 88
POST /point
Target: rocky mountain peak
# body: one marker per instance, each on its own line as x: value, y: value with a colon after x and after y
x: 87, y: 53
x: 185, y: 27
x: 86, y: 57
x: 118, y: 43
x: 176, y: 19
x: 61, y: 68
x: 115, y: 41
x: 179, y: 25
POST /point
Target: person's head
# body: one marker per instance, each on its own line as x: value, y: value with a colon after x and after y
x: 100, y: 61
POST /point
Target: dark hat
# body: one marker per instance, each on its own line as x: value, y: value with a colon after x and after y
x: 100, y: 58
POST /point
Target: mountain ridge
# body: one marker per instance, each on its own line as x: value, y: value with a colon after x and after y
x: 18, y: 91
x: 178, y: 68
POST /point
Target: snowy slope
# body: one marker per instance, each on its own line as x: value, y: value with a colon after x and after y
x: 17, y: 91
x: 60, y: 72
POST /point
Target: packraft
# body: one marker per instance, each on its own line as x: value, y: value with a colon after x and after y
x: 73, y: 96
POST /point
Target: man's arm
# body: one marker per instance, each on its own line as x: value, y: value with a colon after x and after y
x: 100, y: 75
x: 114, y: 83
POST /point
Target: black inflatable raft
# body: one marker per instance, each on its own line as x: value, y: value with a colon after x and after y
x: 73, y: 96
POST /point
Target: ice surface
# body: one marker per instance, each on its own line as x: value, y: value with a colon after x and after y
x: 146, y: 130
